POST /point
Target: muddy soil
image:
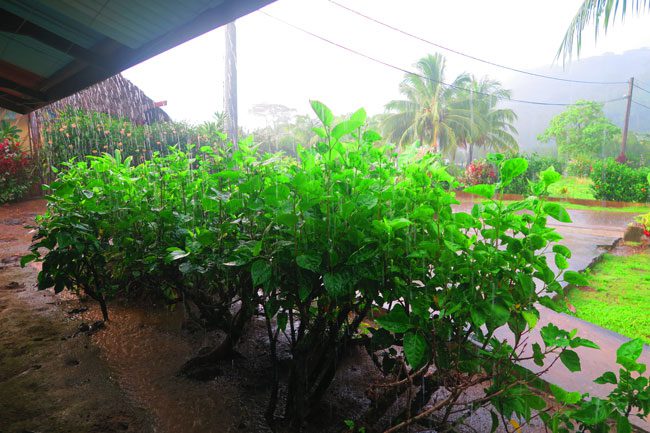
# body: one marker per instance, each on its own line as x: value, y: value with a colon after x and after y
x: 49, y: 380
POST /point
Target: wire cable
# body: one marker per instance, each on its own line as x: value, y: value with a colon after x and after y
x: 641, y: 88
x: 640, y: 104
x: 478, y: 59
x: 389, y: 65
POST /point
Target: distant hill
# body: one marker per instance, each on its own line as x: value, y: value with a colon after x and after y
x: 609, y: 67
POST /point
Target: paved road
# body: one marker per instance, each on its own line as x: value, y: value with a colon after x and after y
x: 586, y: 237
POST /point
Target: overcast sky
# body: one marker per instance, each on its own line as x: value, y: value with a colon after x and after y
x: 278, y: 64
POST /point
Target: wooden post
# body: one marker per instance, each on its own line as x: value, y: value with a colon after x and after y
x: 622, y: 157
x: 230, y: 84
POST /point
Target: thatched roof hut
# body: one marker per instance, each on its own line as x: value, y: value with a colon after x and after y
x: 115, y: 96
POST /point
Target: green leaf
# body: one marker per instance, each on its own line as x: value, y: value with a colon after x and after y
x: 561, y: 249
x: 623, y: 425
x: 310, y: 262
x: 322, y: 112
x: 563, y: 396
x: 276, y: 194
x: 483, y: 190
x: 261, y: 272
x: 561, y: 262
x: 538, y: 355
x: 583, y: 342
x: 416, y: 349
x: 575, y: 278
x: 531, y: 318
x: 571, y: 360
x: 336, y: 284
x: 628, y: 353
x: 399, y: 223
x: 359, y: 117
x: 175, y: 254
x: 593, y: 412
x: 371, y: 136
x: 512, y: 168
x: 344, y: 128
x: 396, y: 320
x: 27, y: 259
x: 495, y: 421
x: 550, y: 176
x: 607, y: 377
x: 558, y: 212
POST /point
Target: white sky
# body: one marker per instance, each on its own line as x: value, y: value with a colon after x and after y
x: 278, y: 64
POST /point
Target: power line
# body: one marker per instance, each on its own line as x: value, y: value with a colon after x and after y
x: 641, y: 88
x: 389, y: 65
x: 478, y: 59
x: 640, y: 104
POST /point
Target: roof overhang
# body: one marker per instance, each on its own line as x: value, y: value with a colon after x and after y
x: 50, y: 49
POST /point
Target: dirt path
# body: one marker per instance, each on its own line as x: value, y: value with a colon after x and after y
x: 49, y: 381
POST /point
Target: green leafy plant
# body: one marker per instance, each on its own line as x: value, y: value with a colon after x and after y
x: 15, y: 171
x: 536, y: 164
x: 620, y: 182
x: 342, y: 238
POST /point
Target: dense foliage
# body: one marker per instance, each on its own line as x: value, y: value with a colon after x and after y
x: 341, y: 244
x: 74, y: 133
x: 580, y: 167
x: 536, y: 164
x: 15, y: 171
x: 583, y: 131
x: 620, y: 182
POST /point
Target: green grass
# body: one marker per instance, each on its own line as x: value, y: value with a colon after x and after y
x: 572, y: 187
x: 620, y: 299
x: 629, y: 209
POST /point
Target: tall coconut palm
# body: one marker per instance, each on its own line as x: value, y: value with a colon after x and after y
x: 600, y: 12
x: 492, y: 127
x: 426, y: 114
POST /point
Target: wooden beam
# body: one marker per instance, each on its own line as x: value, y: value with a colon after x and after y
x: 7, y: 102
x: 26, y: 91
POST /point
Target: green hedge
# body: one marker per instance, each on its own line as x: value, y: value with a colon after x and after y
x: 620, y: 182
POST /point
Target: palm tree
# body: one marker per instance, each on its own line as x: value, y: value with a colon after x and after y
x: 426, y: 114
x: 602, y: 13
x: 492, y: 128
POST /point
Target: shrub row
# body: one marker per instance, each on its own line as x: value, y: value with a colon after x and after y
x: 619, y: 182
x: 323, y: 243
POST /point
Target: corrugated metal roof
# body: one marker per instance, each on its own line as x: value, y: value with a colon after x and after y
x: 50, y: 49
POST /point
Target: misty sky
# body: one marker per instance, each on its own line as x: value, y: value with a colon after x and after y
x: 278, y: 64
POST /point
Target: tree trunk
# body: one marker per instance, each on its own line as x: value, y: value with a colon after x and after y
x: 470, y: 154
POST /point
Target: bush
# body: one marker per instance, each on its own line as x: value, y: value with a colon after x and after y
x: 321, y: 243
x: 479, y: 171
x: 619, y: 182
x: 74, y: 133
x: 579, y: 167
x: 15, y: 171
x: 536, y: 164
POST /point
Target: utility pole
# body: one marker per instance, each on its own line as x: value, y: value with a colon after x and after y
x: 230, y: 84
x: 622, y: 157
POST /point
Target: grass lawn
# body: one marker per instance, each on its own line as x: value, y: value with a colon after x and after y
x: 629, y: 209
x: 620, y: 295
x: 572, y: 187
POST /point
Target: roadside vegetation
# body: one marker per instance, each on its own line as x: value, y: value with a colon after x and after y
x: 618, y: 295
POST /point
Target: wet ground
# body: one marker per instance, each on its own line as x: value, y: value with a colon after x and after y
x: 49, y: 380
x: 122, y: 378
